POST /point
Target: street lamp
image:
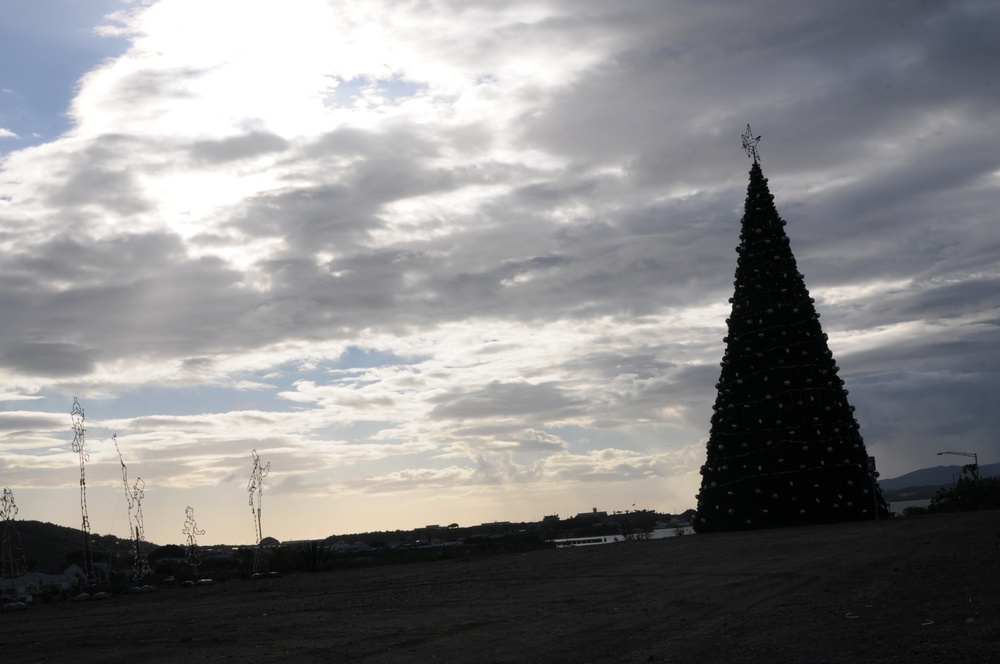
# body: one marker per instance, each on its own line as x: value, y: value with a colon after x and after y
x: 975, y: 462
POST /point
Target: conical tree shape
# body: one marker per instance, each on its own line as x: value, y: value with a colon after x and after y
x: 785, y: 448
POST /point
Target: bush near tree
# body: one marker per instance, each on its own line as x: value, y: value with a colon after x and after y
x: 968, y: 495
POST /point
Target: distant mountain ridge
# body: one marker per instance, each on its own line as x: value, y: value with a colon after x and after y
x: 936, y: 476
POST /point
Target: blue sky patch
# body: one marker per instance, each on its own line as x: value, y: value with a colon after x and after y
x: 46, y: 46
x: 347, y: 91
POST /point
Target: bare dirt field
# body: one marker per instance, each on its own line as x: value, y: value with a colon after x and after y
x: 916, y: 589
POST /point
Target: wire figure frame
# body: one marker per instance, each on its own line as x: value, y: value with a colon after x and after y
x: 192, y: 555
x: 256, y: 490
x: 12, y: 562
x: 137, y: 531
x: 79, y: 442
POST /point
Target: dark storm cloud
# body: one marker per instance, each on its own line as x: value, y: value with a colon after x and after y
x: 648, y: 101
x: 589, y: 268
x: 111, y: 189
x: 909, y: 417
x: 140, y: 290
x: 310, y: 219
x: 929, y: 300
x: 398, y: 143
x: 819, y: 82
x: 18, y: 423
x: 956, y: 350
x: 385, y: 167
x: 253, y: 144
x: 156, y: 85
x: 100, y: 175
x: 49, y: 359
x: 642, y: 384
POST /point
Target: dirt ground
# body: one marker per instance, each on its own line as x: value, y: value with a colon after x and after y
x: 916, y: 589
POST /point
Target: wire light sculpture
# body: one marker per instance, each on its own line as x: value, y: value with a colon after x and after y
x: 12, y: 563
x: 78, y: 446
x: 750, y: 145
x: 256, y: 487
x: 192, y: 555
x: 137, y: 531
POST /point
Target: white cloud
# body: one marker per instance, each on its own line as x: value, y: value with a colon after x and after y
x: 439, y: 248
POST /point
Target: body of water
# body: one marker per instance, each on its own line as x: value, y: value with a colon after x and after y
x: 898, y: 507
x: 659, y: 533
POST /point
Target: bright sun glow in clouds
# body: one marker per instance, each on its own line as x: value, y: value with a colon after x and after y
x: 458, y: 261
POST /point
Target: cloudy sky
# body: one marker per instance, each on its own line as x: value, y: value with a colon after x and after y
x: 462, y: 261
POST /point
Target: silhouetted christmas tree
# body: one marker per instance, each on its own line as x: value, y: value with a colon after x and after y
x: 784, y: 448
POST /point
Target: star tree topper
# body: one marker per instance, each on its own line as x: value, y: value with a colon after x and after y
x: 750, y: 144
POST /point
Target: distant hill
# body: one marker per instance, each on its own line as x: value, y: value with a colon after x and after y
x: 48, y: 547
x: 937, y: 476
x: 924, y: 483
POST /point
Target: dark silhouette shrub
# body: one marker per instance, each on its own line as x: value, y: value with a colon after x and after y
x: 968, y: 495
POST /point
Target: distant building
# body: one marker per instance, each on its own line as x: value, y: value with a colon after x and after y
x: 35, y: 583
